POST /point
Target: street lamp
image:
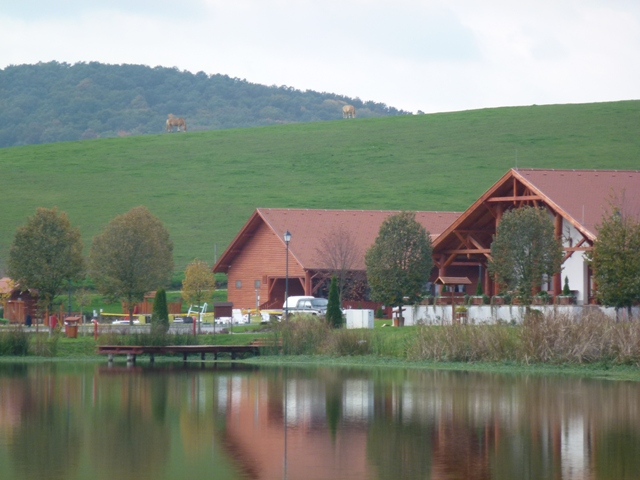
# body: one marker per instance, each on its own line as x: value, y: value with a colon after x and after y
x: 287, y: 239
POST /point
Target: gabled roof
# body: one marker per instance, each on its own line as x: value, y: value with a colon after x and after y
x: 580, y: 196
x: 584, y: 195
x: 309, y: 227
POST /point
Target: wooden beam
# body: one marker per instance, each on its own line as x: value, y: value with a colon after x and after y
x: 476, y: 243
x: 514, y: 198
x: 464, y: 251
x: 449, y: 260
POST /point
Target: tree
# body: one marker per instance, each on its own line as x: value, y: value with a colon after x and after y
x: 334, y: 312
x: 339, y: 252
x: 46, y: 254
x: 198, y: 284
x: 525, y: 250
x: 399, y: 262
x: 615, y: 260
x: 160, y: 315
x: 132, y: 255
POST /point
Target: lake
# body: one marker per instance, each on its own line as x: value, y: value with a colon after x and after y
x: 236, y: 421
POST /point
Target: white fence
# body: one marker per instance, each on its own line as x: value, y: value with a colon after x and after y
x: 476, y: 314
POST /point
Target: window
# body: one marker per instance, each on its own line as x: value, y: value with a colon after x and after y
x: 256, y: 284
x: 238, y: 283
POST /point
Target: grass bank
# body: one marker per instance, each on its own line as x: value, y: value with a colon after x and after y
x: 205, y: 185
x: 591, y: 345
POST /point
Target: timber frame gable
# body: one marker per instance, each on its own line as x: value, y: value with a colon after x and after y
x: 467, y: 241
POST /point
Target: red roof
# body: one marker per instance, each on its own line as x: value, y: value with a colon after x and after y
x: 309, y: 227
x: 584, y: 195
x: 580, y: 196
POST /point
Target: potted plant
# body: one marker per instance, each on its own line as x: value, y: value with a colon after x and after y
x: 567, y: 297
x: 477, y: 299
x: 442, y: 298
x: 486, y: 300
x: 541, y: 298
x: 498, y: 299
x: 461, y: 313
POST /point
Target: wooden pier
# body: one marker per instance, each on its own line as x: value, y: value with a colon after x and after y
x: 132, y: 351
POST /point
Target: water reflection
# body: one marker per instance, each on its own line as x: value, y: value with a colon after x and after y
x: 232, y: 421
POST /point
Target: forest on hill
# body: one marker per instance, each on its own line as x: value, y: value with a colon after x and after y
x: 54, y: 102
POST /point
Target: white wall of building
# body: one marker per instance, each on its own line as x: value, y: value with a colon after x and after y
x: 477, y: 314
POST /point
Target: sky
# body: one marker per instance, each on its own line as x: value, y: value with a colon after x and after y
x: 416, y: 55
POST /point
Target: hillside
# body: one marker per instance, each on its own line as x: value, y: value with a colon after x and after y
x: 53, y: 102
x: 204, y: 185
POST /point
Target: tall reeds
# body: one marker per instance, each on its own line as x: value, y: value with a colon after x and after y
x: 14, y: 342
x: 590, y: 338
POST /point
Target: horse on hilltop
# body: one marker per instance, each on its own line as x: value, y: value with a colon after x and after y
x: 177, y: 122
x: 348, y: 111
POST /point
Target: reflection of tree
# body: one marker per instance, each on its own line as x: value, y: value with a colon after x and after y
x: 617, y: 455
x: 399, y: 450
x: 47, y: 443
x: 140, y: 445
x: 159, y: 397
x: 333, y: 393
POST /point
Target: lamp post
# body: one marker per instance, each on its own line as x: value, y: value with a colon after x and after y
x: 287, y: 239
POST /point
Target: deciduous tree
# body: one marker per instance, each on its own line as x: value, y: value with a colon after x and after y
x: 199, y: 283
x: 615, y: 260
x: 399, y: 262
x: 46, y: 254
x: 524, y: 250
x: 339, y: 252
x: 132, y: 255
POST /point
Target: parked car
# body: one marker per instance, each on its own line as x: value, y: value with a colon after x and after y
x: 305, y: 304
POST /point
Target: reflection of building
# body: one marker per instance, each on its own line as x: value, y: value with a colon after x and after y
x: 254, y: 430
x: 19, y: 303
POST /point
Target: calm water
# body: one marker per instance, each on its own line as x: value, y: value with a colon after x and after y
x: 60, y: 421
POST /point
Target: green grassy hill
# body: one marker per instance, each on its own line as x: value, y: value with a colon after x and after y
x: 204, y: 185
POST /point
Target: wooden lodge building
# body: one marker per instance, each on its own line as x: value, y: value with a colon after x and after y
x: 255, y: 261
x: 576, y: 200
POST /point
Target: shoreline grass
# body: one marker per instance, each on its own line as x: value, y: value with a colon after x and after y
x: 590, y: 346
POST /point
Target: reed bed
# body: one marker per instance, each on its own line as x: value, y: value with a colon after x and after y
x: 14, y: 341
x: 551, y: 338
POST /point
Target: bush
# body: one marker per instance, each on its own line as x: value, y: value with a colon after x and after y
x: 379, y: 313
x: 14, y: 342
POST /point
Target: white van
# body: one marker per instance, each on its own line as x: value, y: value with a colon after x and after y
x: 303, y: 304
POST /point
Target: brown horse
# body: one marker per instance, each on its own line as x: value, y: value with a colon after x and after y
x: 348, y: 111
x: 177, y: 122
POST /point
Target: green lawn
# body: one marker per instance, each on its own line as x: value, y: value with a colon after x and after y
x: 204, y: 185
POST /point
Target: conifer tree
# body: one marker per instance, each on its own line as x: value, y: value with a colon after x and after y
x: 160, y: 315
x: 334, y: 312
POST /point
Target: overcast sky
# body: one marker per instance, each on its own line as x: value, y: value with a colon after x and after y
x: 429, y: 55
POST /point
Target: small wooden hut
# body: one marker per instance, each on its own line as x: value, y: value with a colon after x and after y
x: 18, y: 303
